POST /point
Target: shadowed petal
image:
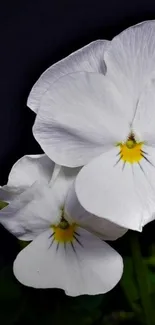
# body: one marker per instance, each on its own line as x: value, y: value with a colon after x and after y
x: 24, y: 173
x: 39, y: 206
x: 99, y: 226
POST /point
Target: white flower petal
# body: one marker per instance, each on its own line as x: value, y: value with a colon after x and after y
x: 90, y: 268
x: 125, y: 196
x: 35, y: 209
x: 89, y: 58
x: 61, y: 182
x: 130, y: 62
x: 31, y: 212
x: 6, y: 195
x: 101, y: 227
x: 144, y: 120
x: 80, y: 117
x: 24, y: 173
x: 56, y: 171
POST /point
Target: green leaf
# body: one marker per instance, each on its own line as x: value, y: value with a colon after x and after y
x: 141, y: 275
x: 83, y: 310
x: 87, y: 302
x: 152, y: 250
x: 119, y: 317
x: 11, y: 302
x: 9, y: 287
x: 151, y: 276
x: 3, y: 204
x: 128, y: 282
x: 23, y: 243
x: 67, y: 311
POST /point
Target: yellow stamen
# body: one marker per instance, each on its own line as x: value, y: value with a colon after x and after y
x: 64, y: 232
x: 131, y: 151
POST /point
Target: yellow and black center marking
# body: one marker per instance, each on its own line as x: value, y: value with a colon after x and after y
x: 65, y: 233
x: 131, y: 151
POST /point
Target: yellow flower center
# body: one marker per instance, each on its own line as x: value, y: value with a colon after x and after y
x: 64, y: 232
x: 131, y: 151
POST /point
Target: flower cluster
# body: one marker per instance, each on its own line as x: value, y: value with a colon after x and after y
x: 95, y: 121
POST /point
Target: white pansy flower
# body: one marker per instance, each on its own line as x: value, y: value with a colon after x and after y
x: 65, y: 252
x: 90, y: 58
x: 107, y: 123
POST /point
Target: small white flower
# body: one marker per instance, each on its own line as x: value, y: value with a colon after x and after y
x: 107, y: 122
x: 63, y: 254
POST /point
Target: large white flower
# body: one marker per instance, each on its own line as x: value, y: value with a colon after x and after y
x: 109, y: 118
x: 90, y: 58
x: 64, y: 252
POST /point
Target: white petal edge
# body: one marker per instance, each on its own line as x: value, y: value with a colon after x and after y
x: 89, y: 58
x: 99, y: 226
x: 81, y: 116
x: 24, y: 173
x: 121, y: 194
x: 130, y: 59
x: 144, y: 121
x: 92, y: 268
x: 31, y: 212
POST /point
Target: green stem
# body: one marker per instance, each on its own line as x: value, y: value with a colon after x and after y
x: 141, y: 277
